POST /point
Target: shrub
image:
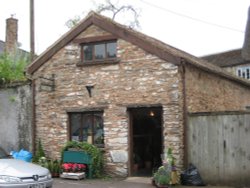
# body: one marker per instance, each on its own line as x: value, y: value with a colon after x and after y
x: 39, y: 152
x: 12, y: 68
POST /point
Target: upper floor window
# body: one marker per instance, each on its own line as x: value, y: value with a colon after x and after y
x: 101, y: 51
x: 243, y: 72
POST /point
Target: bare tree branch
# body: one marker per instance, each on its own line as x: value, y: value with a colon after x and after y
x: 115, y: 10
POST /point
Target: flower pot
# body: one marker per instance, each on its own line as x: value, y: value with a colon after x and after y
x: 135, y: 167
x: 55, y: 175
x: 153, y: 182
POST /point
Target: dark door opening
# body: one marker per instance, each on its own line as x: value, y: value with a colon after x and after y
x: 146, y: 140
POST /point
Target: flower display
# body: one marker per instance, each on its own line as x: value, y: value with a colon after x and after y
x: 73, y: 167
x: 166, y: 174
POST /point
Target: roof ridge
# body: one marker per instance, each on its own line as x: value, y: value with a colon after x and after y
x: 149, y: 44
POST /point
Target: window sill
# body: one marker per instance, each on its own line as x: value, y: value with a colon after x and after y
x: 101, y: 62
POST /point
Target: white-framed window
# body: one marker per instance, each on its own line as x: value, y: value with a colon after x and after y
x: 243, y: 72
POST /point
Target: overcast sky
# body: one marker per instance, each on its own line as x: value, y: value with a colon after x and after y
x: 199, y: 27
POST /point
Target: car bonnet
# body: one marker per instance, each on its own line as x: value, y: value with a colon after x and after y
x: 19, y: 168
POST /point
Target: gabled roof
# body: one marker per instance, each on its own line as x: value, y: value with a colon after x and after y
x: 227, y: 59
x: 149, y: 44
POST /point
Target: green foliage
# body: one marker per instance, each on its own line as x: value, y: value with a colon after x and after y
x: 12, y: 98
x: 163, y: 175
x: 12, y: 68
x: 54, y: 166
x: 93, y: 151
x: 39, y: 153
x: 167, y: 174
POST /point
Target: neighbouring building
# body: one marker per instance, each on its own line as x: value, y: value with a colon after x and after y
x: 125, y: 92
x: 15, y: 99
x: 11, y: 45
x: 235, y: 61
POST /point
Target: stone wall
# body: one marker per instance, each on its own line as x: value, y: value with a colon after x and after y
x: 16, y: 117
x: 208, y: 92
x: 138, y: 79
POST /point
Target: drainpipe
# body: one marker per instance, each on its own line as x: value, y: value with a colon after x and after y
x: 33, y: 116
x: 183, y: 78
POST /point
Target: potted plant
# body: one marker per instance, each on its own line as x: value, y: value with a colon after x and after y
x: 162, y: 176
x: 54, y: 168
x: 166, y: 175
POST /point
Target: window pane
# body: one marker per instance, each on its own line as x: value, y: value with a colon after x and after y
x: 88, y: 52
x: 99, y: 51
x: 111, y: 50
x: 239, y: 72
x: 98, y: 129
x: 75, y: 127
x: 87, y: 128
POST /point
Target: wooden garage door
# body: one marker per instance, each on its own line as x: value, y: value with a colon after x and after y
x: 219, y: 145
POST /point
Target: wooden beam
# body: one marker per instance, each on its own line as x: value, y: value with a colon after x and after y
x: 95, y: 39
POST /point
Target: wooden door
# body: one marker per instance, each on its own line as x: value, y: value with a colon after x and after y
x: 219, y: 146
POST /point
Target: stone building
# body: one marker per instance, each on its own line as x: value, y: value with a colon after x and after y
x: 125, y: 92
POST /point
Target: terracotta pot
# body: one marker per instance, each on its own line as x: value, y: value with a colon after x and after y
x: 55, y: 175
x: 135, y: 167
x: 153, y: 182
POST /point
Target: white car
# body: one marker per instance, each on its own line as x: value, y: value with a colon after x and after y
x: 15, y: 173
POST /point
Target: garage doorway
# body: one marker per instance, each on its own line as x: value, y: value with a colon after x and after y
x: 145, y: 140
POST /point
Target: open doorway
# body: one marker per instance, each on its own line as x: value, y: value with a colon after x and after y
x: 146, y: 140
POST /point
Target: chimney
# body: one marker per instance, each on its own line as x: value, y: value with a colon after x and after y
x: 246, y: 46
x: 11, y: 36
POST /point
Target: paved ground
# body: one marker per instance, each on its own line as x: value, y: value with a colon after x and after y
x: 132, y: 182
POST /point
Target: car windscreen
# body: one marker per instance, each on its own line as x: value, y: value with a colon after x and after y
x: 3, y: 154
